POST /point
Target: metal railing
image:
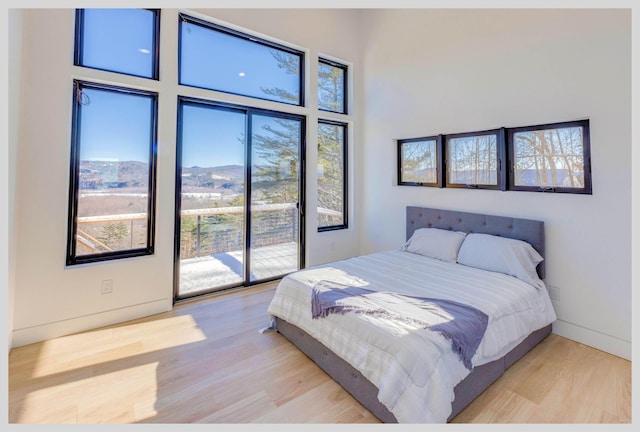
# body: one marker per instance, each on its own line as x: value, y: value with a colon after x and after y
x: 203, y: 231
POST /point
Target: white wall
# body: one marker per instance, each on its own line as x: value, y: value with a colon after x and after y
x: 448, y: 71
x: 53, y: 300
x: 14, y: 109
x: 423, y: 72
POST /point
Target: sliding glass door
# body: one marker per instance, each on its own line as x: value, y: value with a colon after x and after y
x: 238, y: 196
x: 274, y: 220
x: 212, y: 185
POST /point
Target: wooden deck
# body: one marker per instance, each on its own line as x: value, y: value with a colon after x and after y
x: 203, y: 273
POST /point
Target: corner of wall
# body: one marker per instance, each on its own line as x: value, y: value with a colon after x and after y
x: 360, y: 137
x: 594, y: 339
x: 14, y: 81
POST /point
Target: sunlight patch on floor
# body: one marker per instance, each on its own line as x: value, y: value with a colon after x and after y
x: 103, y: 346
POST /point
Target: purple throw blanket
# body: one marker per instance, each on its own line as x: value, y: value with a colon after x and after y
x: 463, y: 325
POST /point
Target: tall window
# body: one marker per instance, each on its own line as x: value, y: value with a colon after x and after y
x: 332, y: 165
x: 221, y: 59
x: 240, y: 167
x: 118, y: 40
x: 332, y: 175
x: 113, y: 159
x: 553, y: 158
x: 114, y: 129
x: 332, y: 86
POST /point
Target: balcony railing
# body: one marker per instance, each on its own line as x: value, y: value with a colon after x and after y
x: 216, y: 230
x: 203, y: 231
x: 93, y: 237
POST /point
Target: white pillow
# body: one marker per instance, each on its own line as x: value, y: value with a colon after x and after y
x: 435, y: 243
x: 499, y: 254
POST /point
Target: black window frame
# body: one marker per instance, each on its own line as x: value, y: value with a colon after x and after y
x: 345, y: 175
x: 439, y: 161
x: 586, y: 147
x: 74, y: 174
x: 79, y: 36
x: 250, y: 111
x: 345, y: 88
x: 501, y: 180
x: 185, y: 18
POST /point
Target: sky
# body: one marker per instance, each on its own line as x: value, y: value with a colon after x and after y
x: 116, y: 125
x: 212, y: 137
x: 211, y: 59
x: 119, y: 40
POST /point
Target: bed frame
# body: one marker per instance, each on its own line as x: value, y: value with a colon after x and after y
x: 481, y: 377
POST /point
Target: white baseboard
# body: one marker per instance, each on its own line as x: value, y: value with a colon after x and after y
x: 601, y: 341
x: 39, y: 333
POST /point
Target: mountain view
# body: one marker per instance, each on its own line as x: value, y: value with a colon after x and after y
x: 96, y: 175
x: 226, y: 180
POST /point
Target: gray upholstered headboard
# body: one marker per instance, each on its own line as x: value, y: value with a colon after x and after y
x: 531, y: 231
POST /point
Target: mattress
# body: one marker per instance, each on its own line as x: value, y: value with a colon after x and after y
x: 410, y: 366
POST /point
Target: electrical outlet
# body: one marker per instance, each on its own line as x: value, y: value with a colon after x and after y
x: 554, y: 293
x: 107, y: 286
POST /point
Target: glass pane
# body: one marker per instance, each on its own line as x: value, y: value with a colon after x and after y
x: 276, y: 144
x: 212, y: 199
x: 216, y: 60
x: 330, y: 175
x: 331, y: 88
x: 418, y: 162
x: 115, y: 156
x: 119, y: 40
x: 473, y: 160
x: 552, y: 157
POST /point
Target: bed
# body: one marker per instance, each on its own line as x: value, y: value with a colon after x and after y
x: 408, y: 374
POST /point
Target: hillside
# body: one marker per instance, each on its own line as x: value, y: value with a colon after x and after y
x: 96, y: 175
x: 226, y: 179
x: 100, y: 175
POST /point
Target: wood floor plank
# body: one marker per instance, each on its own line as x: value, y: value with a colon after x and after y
x: 206, y: 362
x: 245, y: 410
x: 304, y: 408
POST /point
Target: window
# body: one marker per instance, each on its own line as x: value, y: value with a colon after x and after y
x: 332, y: 175
x: 221, y: 59
x: 239, y: 186
x: 474, y: 160
x: 112, y: 187
x: 118, y: 40
x: 332, y: 86
x: 419, y: 161
x: 550, y: 158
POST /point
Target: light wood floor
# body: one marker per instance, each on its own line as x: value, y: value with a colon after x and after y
x: 206, y: 362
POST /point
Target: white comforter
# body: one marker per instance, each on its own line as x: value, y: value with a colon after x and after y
x: 414, y: 369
